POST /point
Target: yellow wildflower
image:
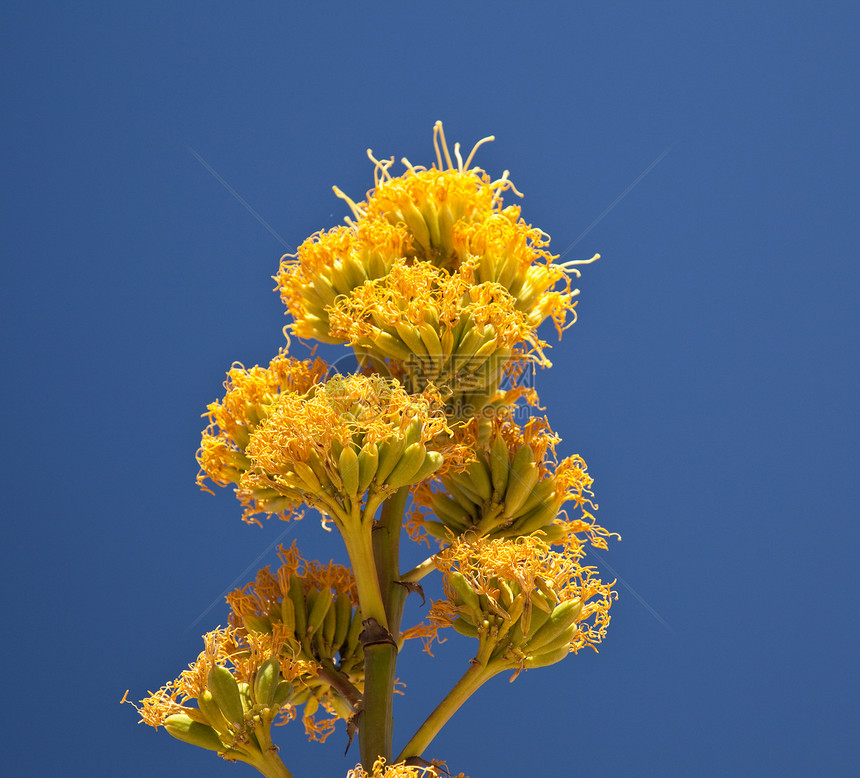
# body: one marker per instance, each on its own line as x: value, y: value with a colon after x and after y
x: 430, y: 202
x: 326, y: 633
x: 242, y: 655
x: 250, y: 392
x: 513, y: 486
x: 332, y: 263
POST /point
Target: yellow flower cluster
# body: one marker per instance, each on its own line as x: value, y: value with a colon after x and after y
x: 221, y: 647
x: 240, y: 685
x: 438, y: 328
x: 315, y: 607
x: 331, y: 264
x: 433, y: 278
x: 529, y: 606
x: 344, y: 437
x: 305, y: 617
x: 513, y: 486
x: 286, y: 437
x: 251, y: 395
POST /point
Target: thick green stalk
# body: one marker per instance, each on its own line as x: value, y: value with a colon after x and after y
x: 380, y: 658
x: 376, y: 723
x: 473, y: 678
x: 359, y: 546
x: 272, y: 767
x: 386, y: 551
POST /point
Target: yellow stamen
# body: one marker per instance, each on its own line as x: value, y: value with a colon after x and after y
x: 474, y: 149
x: 357, y: 212
x: 439, y: 132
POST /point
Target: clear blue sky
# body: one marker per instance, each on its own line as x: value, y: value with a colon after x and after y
x: 711, y: 382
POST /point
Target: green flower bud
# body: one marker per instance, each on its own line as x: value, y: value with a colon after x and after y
x: 186, y: 729
x: 225, y: 692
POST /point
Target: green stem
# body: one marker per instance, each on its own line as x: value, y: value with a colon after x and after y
x: 471, y: 681
x: 339, y: 681
x: 371, y: 506
x: 420, y: 571
x: 386, y: 550
x: 359, y: 546
x: 271, y: 766
x: 380, y: 659
x: 267, y: 760
x: 376, y: 722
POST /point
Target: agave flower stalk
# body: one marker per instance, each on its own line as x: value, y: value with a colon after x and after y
x: 439, y: 288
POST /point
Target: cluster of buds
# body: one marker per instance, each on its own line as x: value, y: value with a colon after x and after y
x: 439, y: 289
x: 528, y: 605
x: 228, y: 699
x: 332, y: 444
x: 433, y: 280
x: 315, y: 610
x: 512, y: 487
x: 428, y: 326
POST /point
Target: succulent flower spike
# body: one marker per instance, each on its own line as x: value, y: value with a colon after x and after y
x: 440, y: 289
x: 528, y: 605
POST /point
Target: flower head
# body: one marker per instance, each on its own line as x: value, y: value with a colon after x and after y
x: 236, y: 683
x: 527, y: 604
x: 346, y: 437
x: 326, y: 633
x: 439, y: 328
x: 333, y: 263
x: 513, y: 486
x: 285, y: 436
x: 451, y: 217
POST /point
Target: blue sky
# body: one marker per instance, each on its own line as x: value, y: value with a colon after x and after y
x: 711, y: 382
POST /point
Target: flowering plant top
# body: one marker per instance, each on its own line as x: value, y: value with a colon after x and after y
x: 439, y: 289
